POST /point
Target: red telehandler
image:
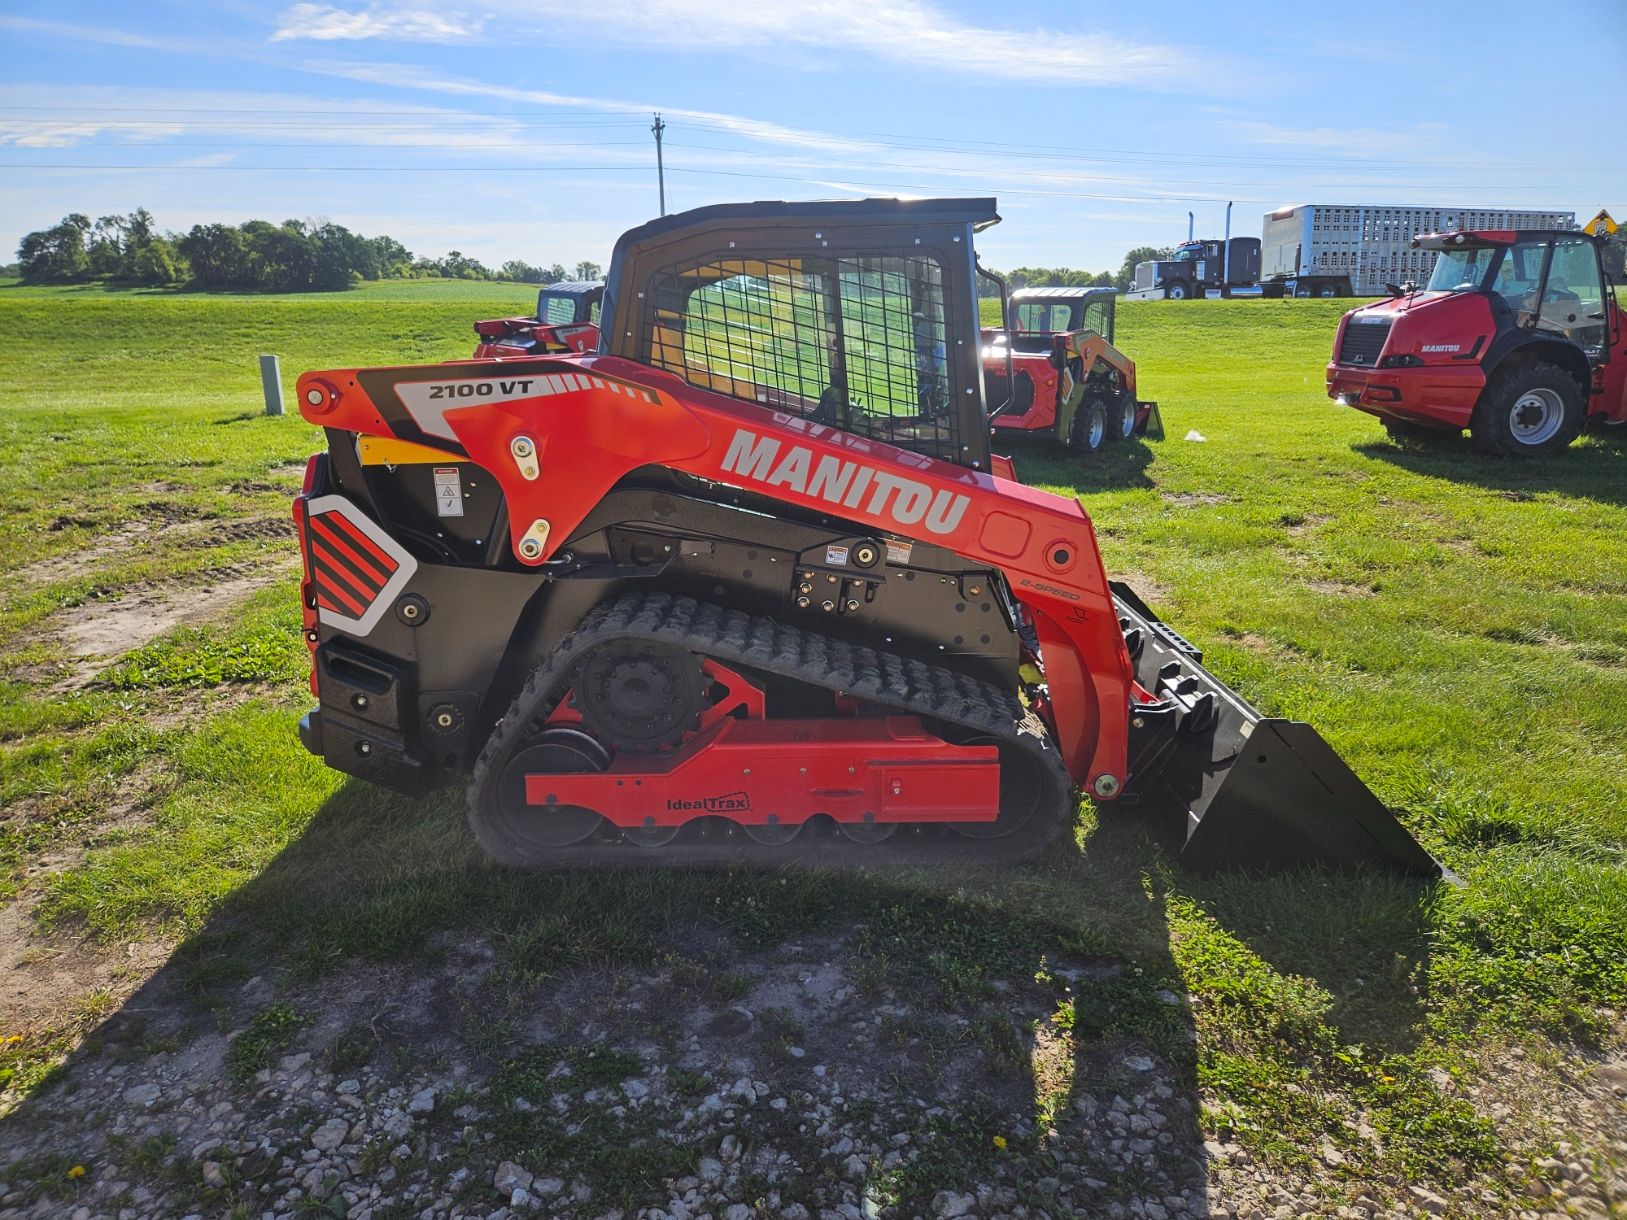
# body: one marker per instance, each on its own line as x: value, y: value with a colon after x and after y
x: 1517, y: 337
x: 741, y: 587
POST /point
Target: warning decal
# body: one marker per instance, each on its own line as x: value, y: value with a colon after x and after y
x: 448, y: 492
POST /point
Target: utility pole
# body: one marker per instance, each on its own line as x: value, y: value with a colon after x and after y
x: 660, y: 171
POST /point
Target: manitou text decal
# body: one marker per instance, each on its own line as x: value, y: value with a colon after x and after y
x: 733, y: 802
x: 846, y: 483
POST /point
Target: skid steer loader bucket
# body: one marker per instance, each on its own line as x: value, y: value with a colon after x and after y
x: 1256, y: 792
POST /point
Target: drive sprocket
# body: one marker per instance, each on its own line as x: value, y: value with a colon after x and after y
x: 639, y: 695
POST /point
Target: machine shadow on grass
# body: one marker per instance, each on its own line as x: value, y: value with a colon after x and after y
x: 1595, y: 467
x: 994, y: 1016
x: 1117, y: 466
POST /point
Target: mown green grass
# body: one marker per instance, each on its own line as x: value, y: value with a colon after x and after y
x: 1453, y: 627
x: 521, y: 298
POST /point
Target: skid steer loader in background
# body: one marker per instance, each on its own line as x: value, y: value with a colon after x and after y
x: 1052, y: 369
x: 566, y: 321
x: 741, y: 586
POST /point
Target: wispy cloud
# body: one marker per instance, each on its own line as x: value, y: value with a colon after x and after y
x: 914, y: 33
x: 67, y: 133
x: 1351, y: 141
x: 326, y: 23
x: 409, y: 77
x: 106, y: 35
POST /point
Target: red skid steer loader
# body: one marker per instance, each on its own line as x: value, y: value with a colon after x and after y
x: 741, y: 587
x: 1053, y: 369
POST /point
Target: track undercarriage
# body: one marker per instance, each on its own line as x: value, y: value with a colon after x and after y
x: 720, y: 736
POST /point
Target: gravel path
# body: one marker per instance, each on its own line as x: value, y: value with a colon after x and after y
x: 777, y: 1088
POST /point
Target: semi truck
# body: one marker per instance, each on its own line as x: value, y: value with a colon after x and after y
x: 1194, y: 267
x: 1326, y: 250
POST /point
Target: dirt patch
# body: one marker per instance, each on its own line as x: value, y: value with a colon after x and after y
x: 157, y: 529
x: 1532, y: 1095
x: 1153, y: 592
x: 1193, y: 499
x: 1338, y: 588
x: 77, y: 563
x: 42, y: 975
x: 102, y: 630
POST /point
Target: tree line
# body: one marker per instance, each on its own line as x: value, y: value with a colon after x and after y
x: 1069, y: 277
x: 315, y: 256
x: 295, y: 256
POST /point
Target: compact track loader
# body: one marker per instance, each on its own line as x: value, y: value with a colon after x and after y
x: 742, y: 587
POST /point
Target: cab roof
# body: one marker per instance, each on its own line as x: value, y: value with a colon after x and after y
x: 1061, y: 294
x: 575, y: 288
x: 1485, y: 238
x: 739, y: 218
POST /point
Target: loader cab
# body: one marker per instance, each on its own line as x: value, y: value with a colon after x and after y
x: 1546, y: 281
x: 859, y: 315
x: 569, y: 301
x: 1060, y: 311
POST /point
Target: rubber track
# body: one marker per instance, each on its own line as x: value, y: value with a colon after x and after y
x: 736, y: 638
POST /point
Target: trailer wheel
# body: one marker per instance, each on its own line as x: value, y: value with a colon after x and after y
x: 1089, y: 428
x: 1327, y: 290
x: 1178, y: 290
x: 1527, y: 410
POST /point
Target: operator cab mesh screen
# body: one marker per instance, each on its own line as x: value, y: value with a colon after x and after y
x: 858, y: 343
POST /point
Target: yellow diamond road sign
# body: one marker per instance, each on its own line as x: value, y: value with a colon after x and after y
x: 1600, y: 224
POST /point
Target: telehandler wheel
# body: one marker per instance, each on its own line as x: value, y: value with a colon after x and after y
x: 1527, y: 410
x: 1089, y: 428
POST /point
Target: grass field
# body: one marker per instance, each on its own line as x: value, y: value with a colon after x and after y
x: 1453, y: 626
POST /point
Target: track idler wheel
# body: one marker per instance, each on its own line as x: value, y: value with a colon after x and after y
x: 650, y: 836
x: 1023, y: 793
x: 538, y: 827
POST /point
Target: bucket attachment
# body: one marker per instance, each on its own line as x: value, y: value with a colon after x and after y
x: 1255, y: 792
x: 1149, y: 423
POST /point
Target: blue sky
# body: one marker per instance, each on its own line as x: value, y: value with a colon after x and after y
x: 521, y: 130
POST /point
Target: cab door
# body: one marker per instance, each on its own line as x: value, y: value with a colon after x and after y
x: 1573, y: 302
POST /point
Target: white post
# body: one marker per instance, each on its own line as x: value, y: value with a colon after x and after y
x: 271, y: 384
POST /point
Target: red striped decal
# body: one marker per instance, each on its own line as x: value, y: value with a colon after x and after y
x: 335, y: 588
x: 355, y: 534
x: 342, y: 578
x: 368, y: 567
